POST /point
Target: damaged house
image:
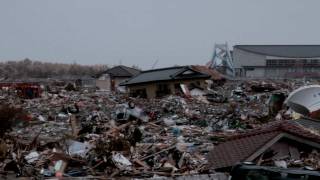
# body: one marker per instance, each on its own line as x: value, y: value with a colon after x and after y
x: 216, y: 77
x: 111, y: 78
x: 160, y: 82
x: 283, y: 144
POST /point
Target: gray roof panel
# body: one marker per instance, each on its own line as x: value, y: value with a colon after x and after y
x: 291, y: 51
x: 309, y: 123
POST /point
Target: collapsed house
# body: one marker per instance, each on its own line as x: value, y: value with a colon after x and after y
x: 281, y: 143
x: 160, y: 82
x: 25, y: 90
x: 249, y: 171
x: 85, y: 82
x: 111, y: 78
x: 77, y: 81
x: 216, y: 77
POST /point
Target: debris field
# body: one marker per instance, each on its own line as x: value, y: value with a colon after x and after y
x: 108, y: 135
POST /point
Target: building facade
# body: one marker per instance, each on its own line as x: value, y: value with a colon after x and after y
x: 277, y: 61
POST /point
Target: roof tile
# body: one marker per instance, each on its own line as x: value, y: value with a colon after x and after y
x: 240, y: 146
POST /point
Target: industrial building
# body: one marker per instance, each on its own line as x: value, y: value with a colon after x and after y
x: 276, y: 61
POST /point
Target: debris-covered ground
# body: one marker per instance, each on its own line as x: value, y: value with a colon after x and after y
x: 101, y: 134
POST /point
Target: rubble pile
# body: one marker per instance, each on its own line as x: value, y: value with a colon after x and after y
x: 99, y: 134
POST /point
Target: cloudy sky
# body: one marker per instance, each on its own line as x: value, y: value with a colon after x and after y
x: 139, y: 32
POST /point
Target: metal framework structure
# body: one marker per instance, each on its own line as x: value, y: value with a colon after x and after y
x: 222, y: 60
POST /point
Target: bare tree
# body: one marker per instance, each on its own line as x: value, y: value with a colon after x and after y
x: 37, y: 69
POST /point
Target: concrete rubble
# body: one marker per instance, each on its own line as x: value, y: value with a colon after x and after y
x: 108, y: 135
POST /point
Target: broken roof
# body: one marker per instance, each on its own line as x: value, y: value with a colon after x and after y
x: 215, y: 75
x: 165, y: 74
x: 122, y: 71
x: 240, y: 147
x: 293, y: 51
x: 312, y: 124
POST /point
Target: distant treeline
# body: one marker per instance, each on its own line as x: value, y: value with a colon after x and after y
x: 37, y: 69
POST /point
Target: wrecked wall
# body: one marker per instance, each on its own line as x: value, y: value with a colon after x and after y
x: 151, y: 88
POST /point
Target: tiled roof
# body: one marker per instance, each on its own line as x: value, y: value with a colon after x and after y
x: 234, y: 151
x: 164, y: 74
x: 131, y: 70
x: 288, y: 126
x: 215, y: 75
x: 122, y: 71
x: 240, y: 146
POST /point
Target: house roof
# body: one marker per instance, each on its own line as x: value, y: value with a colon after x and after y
x: 215, y: 75
x: 239, y: 147
x: 309, y: 123
x: 122, y: 71
x: 291, y: 51
x: 165, y: 74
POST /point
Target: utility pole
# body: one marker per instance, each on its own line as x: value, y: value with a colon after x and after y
x: 155, y: 63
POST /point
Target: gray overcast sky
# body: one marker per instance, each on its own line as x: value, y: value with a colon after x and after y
x: 141, y: 31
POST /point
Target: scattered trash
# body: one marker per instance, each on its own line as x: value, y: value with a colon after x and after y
x: 32, y: 157
x: 121, y: 162
x: 281, y: 164
x: 78, y: 148
x: 69, y: 132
